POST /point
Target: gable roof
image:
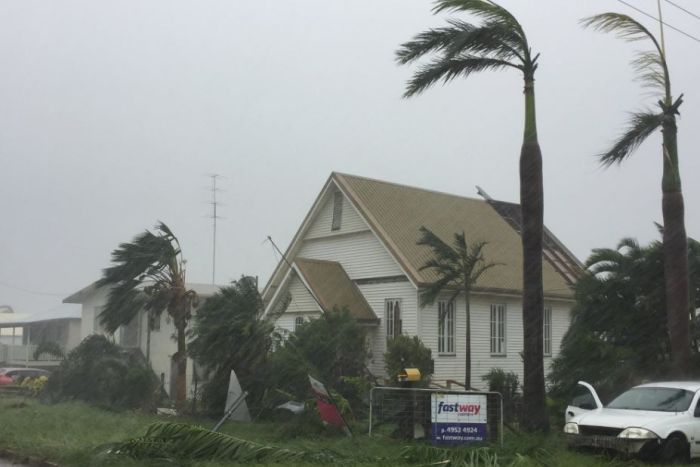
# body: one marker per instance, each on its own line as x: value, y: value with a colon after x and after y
x: 396, y: 212
x: 333, y: 288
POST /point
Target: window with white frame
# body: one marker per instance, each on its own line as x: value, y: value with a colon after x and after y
x: 446, y: 327
x: 298, y: 321
x: 337, y: 210
x: 498, y: 329
x: 547, y: 331
x: 392, y: 314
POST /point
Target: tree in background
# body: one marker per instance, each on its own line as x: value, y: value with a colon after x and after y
x: 408, y: 352
x: 228, y: 333
x: 149, y: 274
x: 617, y: 336
x: 653, y: 71
x: 498, y: 43
x: 458, y: 268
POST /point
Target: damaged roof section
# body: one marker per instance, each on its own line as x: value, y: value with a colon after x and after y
x: 333, y: 288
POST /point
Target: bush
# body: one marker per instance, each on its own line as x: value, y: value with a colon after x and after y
x: 408, y: 352
x: 101, y: 373
x: 34, y: 385
x: 331, y: 348
x: 507, y: 384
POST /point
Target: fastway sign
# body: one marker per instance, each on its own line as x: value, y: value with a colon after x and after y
x: 458, y: 418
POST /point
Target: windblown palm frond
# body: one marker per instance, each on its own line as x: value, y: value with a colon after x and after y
x: 144, y: 274
x: 463, y: 48
x: 619, y: 262
x: 641, y: 125
x: 182, y: 442
x: 485, y: 9
x: 651, y: 67
x: 456, y: 266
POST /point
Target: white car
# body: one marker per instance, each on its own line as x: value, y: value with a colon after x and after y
x: 656, y: 419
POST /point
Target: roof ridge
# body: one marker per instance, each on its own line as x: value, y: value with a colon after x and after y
x: 403, y: 185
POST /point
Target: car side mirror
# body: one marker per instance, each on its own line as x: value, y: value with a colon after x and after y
x: 586, y: 406
x: 697, y: 410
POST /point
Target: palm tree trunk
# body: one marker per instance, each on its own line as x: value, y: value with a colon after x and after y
x: 148, y: 341
x: 532, y: 208
x: 675, y: 252
x: 468, y: 356
x: 181, y: 361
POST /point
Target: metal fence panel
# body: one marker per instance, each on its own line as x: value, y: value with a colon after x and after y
x: 406, y: 412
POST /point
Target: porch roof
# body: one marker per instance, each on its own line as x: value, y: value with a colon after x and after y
x: 332, y: 287
x: 61, y: 312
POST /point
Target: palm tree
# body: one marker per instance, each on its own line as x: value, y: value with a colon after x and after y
x: 498, y: 43
x: 653, y: 71
x: 149, y: 274
x: 458, y: 267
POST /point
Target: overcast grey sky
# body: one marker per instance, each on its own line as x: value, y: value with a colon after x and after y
x: 112, y: 113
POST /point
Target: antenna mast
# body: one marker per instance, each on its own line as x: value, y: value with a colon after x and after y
x: 214, y: 216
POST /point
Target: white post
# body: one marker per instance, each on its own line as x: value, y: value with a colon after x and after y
x: 29, y: 335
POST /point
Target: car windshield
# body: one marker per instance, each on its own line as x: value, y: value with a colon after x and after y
x: 656, y: 399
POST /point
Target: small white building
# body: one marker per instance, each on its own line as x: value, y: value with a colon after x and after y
x: 357, y: 248
x: 158, y: 348
x: 22, y: 333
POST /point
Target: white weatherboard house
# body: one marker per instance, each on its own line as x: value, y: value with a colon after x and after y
x: 135, y: 335
x: 357, y: 248
x: 22, y: 333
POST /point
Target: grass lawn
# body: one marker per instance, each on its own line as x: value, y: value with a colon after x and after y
x: 69, y: 433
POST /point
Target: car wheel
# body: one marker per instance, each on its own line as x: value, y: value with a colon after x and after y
x: 675, y: 450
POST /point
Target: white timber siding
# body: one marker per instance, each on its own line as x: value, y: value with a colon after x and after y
x: 561, y: 320
x: 376, y: 295
x: 350, y: 220
x: 451, y: 366
x: 302, y: 304
x: 361, y: 254
x: 87, y: 323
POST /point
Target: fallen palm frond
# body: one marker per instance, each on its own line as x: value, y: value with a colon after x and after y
x: 166, y: 441
x: 428, y: 455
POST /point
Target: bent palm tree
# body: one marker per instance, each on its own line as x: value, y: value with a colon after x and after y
x: 462, y: 49
x: 653, y: 72
x: 458, y: 267
x: 149, y: 274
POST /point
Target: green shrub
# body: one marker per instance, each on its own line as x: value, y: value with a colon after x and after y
x: 331, y: 348
x: 101, y: 373
x: 507, y: 384
x: 408, y: 352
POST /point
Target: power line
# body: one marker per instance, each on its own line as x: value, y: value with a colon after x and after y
x: 30, y: 291
x: 662, y: 22
x: 683, y: 9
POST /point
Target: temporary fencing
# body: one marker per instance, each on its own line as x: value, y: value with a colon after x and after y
x: 415, y: 413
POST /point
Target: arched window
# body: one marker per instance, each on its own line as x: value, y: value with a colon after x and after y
x: 298, y: 321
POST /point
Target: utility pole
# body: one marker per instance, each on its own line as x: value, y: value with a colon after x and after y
x: 214, y: 216
x: 661, y: 27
